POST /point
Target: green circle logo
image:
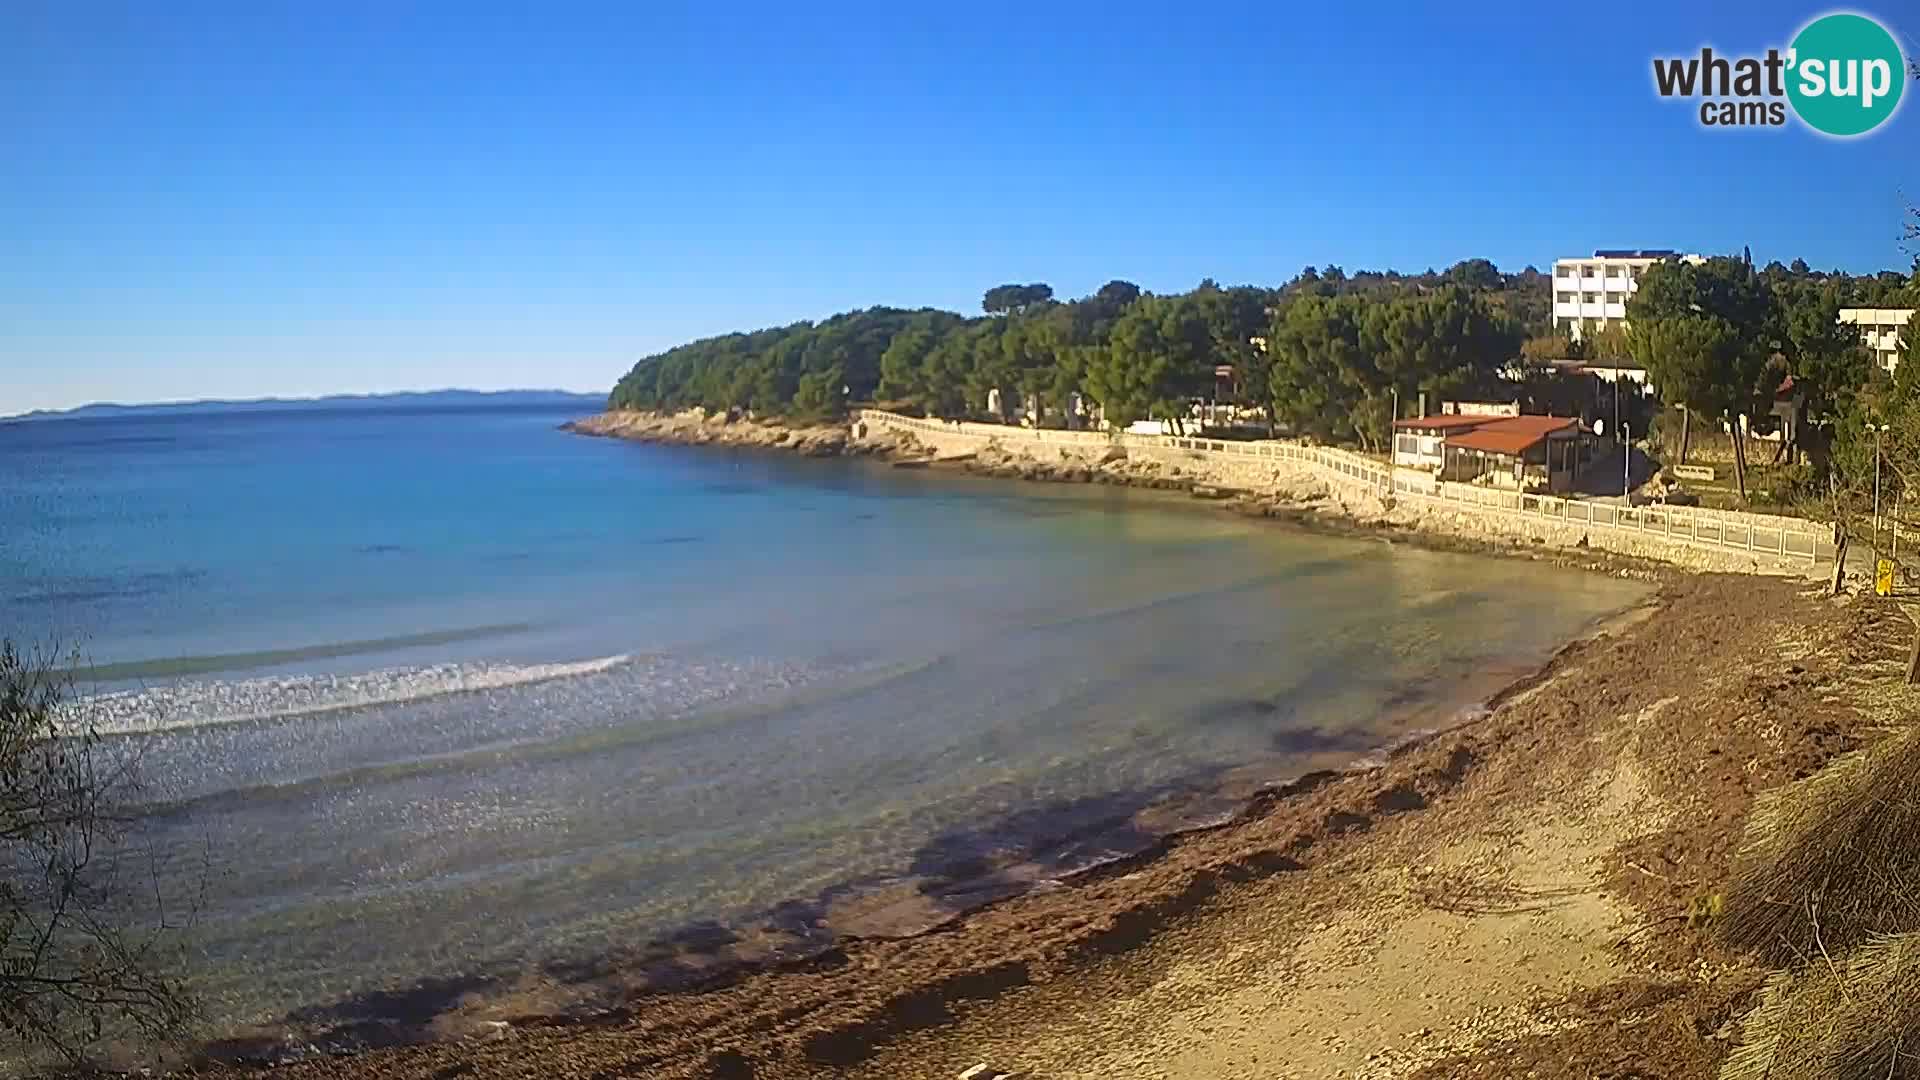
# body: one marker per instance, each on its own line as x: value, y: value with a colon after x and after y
x: 1845, y: 75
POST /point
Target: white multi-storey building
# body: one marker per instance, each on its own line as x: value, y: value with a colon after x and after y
x: 1881, y: 329
x: 1589, y: 294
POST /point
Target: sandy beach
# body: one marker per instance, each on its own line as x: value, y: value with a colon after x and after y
x: 1515, y: 897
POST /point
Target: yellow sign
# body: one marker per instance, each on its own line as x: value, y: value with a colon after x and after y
x: 1883, y: 578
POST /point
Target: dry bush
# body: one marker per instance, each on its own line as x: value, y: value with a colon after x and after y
x: 1855, y: 1019
x: 1833, y: 860
x: 85, y: 947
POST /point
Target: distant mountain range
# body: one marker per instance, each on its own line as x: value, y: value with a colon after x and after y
x: 414, y: 399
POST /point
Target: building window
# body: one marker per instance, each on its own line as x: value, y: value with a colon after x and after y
x: 1614, y: 271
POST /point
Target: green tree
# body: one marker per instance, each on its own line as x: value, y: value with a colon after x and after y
x: 1544, y: 348
x: 820, y: 394
x: 1446, y: 343
x: 1153, y: 361
x: 1116, y: 295
x: 1826, y: 358
x: 948, y: 369
x: 1606, y: 344
x: 904, y: 372
x: 1476, y: 274
x: 1319, y: 366
x: 1014, y: 299
x: 991, y: 379
x: 1704, y: 332
x: 1236, y: 324
x: 902, y: 366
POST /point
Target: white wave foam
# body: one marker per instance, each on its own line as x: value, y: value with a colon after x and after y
x: 203, y: 703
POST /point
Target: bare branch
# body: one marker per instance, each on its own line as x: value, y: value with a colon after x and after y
x: 80, y: 956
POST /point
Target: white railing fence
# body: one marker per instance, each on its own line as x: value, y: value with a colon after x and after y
x: 1784, y: 537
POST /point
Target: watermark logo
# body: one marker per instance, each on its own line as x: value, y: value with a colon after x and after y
x: 1843, y: 76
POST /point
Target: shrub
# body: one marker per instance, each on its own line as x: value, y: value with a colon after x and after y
x: 1831, y: 861
x: 1857, y: 1018
x: 82, y: 928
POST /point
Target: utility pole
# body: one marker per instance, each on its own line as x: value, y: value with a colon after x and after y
x: 1877, y: 431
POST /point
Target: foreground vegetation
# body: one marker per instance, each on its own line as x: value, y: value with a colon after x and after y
x: 85, y: 948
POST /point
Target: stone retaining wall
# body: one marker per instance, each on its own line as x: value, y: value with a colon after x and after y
x: 1353, y: 487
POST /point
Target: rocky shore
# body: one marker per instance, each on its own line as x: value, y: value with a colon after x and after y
x: 696, y: 428
x: 1252, y: 487
x: 1303, y: 501
x: 1294, y: 499
x: 1112, y: 465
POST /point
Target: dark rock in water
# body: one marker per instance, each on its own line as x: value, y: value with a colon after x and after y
x: 910, y: 464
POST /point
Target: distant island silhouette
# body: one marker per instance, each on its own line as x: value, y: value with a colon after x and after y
x: 397, y: 400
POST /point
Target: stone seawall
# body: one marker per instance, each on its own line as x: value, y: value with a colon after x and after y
x: 1269, y: 486
x: 1287, y: 487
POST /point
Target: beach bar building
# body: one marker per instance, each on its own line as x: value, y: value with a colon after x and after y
x: 1526, y: 453
x: 1421, y: 443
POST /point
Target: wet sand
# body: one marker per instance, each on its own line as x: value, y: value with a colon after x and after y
x: 1508, y: 898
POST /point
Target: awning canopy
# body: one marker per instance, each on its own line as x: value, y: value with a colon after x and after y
x: 1513, y: 436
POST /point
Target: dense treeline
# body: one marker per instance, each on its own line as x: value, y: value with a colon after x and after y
x: 1721, y: 338
x: 1324, y: 354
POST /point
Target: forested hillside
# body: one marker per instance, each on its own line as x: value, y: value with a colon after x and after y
x: 1323, y: 354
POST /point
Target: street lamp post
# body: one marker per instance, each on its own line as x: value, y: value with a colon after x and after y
x: 1626, y: 464
x: 1393, y: 440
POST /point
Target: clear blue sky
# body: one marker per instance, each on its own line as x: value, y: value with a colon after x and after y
x: 298, y: 198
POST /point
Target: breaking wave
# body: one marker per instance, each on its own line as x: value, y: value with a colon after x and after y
x: 204, y: 703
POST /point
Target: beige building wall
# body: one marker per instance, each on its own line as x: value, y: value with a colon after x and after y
x: 1882, y: 330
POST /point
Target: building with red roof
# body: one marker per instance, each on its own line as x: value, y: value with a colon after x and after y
x: 1531, y: 453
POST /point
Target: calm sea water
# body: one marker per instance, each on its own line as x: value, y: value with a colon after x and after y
x: 447, y: 694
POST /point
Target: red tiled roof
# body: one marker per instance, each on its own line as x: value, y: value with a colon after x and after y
x: 1438, y: 423
x: 1512, y: 435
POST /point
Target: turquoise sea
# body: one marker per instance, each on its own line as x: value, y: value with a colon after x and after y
x: 454, y: 698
